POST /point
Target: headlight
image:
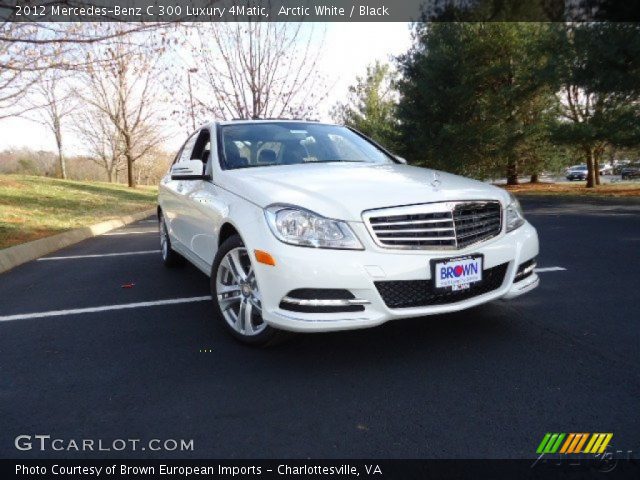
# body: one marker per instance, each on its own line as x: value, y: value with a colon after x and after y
x: 515, y: 217
x: 298, y: 226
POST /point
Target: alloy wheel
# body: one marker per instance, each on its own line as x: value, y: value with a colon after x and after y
x: 164, y: 240
x: 238, y: 294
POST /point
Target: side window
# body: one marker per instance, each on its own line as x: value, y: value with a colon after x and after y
x: 185, y: 154
x: 186, y: 147
x: 202, y: 146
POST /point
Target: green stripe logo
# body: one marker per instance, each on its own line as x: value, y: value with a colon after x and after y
x: 550, y: 443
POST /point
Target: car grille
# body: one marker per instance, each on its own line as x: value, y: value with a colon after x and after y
x: 422, y: 293
x: 441, y: 226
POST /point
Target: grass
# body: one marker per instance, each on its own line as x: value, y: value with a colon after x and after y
x: 35, y: 207
x: 618, y: 189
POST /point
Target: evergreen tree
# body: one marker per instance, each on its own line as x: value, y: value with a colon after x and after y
x: 598, y: 71
x: 475, y: 97
x: 371, y: 106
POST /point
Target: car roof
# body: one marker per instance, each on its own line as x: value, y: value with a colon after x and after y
x: 266, y: 120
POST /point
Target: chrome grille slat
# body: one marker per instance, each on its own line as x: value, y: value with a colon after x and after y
x: 462, y: 218
x: 475, y: 227
x: 438, y: 220
x: 379, y: 232
x: 439, y: 226
x: 475, y: 234
x: 418, y: 239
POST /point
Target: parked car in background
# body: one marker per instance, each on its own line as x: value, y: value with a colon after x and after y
x: 577, y: 173
x: 313, y: 227
x: 631, y: 171
x: 573, y: 167
x: 619, y: 165
x: 606, y: 169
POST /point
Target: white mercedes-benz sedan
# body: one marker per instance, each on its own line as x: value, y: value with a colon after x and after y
x: 309, y: 227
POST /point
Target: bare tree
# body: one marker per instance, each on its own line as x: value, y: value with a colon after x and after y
x: 20, y: 68
x: 28, y: 49
x: 253, y: 70
x: 122, y: 90
x: 152, y: 166
x: 101, y: 139
x: 51, y: 104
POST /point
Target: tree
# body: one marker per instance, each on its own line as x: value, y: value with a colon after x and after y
x: 52, y: 104
x: 475, y: 96
x: 371, y: 106
x: 598, y: 69
x: 252, y: 70
x: 101, y: 139
x: 121, y: 88
x: 29, y: 49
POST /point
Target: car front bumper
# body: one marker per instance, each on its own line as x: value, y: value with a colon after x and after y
x: 357, y: 270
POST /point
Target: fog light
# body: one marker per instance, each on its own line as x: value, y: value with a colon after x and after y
x: 525, y: 269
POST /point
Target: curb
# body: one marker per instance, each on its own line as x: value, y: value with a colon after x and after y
x: 17, y: 255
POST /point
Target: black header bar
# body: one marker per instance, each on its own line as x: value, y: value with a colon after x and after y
x: 317, y: 10
x: 565, y: 469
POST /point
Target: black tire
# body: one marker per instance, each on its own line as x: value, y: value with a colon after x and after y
x: 267, y: 336
x: 170, y: 258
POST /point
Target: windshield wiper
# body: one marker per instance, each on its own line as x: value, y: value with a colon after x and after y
x: 336, y: 161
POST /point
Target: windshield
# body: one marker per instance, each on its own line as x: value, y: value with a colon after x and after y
x: 287, y: 143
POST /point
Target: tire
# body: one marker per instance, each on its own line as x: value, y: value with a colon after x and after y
x: 170, y: 258
x: 238, y: 307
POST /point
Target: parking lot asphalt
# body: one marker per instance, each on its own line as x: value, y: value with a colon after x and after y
x: 483, y: 383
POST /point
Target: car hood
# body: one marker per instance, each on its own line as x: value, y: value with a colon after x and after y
x: 344, y: 190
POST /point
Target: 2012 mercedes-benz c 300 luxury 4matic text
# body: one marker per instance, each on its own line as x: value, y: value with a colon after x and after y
x: 311, y: 227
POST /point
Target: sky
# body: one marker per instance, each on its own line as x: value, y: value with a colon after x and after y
x: 348, y: 49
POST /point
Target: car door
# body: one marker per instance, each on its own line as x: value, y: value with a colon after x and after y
x: 173, y: 202
x: 206, y: 208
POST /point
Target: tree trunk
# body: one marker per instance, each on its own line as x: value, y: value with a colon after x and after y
x: 534, y: 178
x: 130, y: 181
x: 598, y: 154
x: 61, y: 162
x: 129, y: 157
x: 512, y: 173
x: 591, y: 181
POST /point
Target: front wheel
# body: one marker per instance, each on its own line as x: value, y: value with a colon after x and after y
x: 236, y: 296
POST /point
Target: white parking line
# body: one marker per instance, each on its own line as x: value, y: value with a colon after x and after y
x: 549, y: 269
x: 56, y: 313
x: 143, y: 252
x: 128, y: 233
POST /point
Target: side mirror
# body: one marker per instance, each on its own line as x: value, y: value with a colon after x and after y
x: 401, y: 160
x: 191, y: 170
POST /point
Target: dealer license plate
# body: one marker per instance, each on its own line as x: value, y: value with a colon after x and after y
x: 458, y: 273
